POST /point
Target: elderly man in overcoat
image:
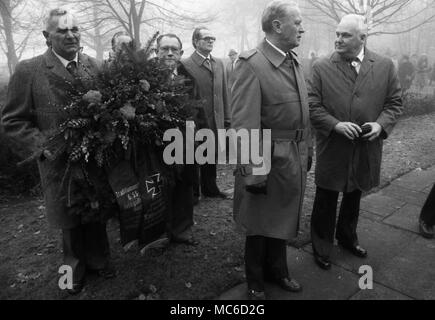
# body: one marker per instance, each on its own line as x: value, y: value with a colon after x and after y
x: 211, y: 86
x: 37, y: 93
x: 355, y: 101
x: 269, y: 93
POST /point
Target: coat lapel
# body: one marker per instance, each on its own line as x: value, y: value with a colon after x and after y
x: 56, y: 67
x: 200, y: 61
x: 344, y: 68
x: 366, y: 67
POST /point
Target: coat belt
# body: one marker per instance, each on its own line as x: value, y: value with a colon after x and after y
x: 290, y: 135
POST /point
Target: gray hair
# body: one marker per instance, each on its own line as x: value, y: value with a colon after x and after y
x: 275, y: 10
x: 358, y: 21
x: 58, y: 12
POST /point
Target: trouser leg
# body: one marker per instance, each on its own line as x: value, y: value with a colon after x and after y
x: 428, y: 211
x: 276, y: 259
x: 96, y: 246
x: 348, y: 219
x: 73, y: 252
x: 255, y: 254
x: 323, y: 222
x: 208, y: 179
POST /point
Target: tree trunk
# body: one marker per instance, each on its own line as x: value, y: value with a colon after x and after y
x: 5, y: 12
x: 99, y: 46
x: 136, y: 20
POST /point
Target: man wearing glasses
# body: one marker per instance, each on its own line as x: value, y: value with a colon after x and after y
x: 210, y: 84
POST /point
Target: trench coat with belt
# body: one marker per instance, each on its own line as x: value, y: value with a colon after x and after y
x: 37, y: 93
x: 269, y: 92
x: 336, y: 96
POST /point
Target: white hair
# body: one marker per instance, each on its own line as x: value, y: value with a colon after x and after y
x: 356, y: 20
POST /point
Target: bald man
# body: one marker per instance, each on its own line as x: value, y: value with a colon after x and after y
x: 37, y: 93
x: 355, y: 101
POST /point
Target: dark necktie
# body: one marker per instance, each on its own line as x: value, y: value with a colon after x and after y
x: 289, y: 59
x: 72, y: 68
x: 207, y: 64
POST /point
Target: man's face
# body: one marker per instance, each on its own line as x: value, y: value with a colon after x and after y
x: 64, y: 36
x: 233, y: 57
x: 169, y: 51
x: 349, y: 40
x: 206, y: 41
x: 291, y: 30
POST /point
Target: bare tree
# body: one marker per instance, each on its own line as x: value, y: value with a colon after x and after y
x: 383, y: 16
x: 131, y: 15
x: 12, y: 23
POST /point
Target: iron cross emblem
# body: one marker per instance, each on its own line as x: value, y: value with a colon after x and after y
x: 153, y: 185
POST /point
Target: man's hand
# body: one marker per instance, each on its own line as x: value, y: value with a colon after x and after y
x: 260, y: 188
x: 48, y: 155
x: 375, y: 133
x: 348, y: 129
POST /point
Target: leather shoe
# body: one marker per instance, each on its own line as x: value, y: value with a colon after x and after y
x: 105, y: 273
x: 289, y: 285
x: 219, y: 194
x: 76, y: 289
x: 256, y: 295
x: 323, y: 263
x: 190, y: 241
x: 356, y: 250
x: 425, y: 230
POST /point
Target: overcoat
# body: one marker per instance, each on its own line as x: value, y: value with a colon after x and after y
x: 335, y: 96
x: 37, y: 94
x: 269, y: 92
x: 210, y: 86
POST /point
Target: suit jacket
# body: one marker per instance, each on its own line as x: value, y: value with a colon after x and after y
x: 335, y: 96
x: 269, y: 92
x: 37, y: 93
x: 210, y: 86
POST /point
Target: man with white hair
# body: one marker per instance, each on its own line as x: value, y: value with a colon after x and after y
x: 269, y: 93
x: 37, y: 93
x: 355, y: 101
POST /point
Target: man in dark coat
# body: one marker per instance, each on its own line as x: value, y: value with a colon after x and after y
x: 34, y: 108
x: 229, y: 69
x: 211, y: 86
x: 269, y: 93
x: 180, y: 220
x: 355, y: 101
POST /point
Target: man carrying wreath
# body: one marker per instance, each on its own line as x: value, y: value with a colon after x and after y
x: 37, y: 94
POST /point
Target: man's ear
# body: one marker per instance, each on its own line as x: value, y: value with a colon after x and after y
x: 363, y: 37
x: 181, y: 53
x: 276, y: 25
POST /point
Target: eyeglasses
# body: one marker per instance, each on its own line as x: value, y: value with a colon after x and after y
x: 208, y: 39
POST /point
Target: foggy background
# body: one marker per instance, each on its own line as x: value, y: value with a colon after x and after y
x: 397, y: 26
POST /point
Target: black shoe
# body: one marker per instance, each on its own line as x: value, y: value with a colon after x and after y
x: 190, y: 241
x: 289, y: 285
x: 425, y: 230
x: 106, y: 273
x: 219, y: 194
x: 323, y: 263
x: 356, y: 250
x: 76, y: 289
x: 256, y: 295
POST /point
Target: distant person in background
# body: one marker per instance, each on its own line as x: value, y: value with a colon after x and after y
x: 117, y: 42
x: 422, y: 72
x: 406, y: 73
x: 432, y: 74
x: 234, y: 57
x: 427, y: 216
